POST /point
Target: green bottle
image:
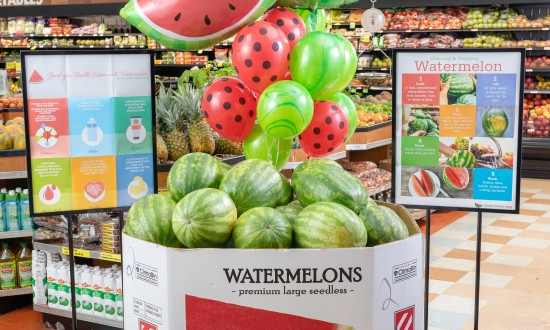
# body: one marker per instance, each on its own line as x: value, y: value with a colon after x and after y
x: 24, y: 213
x: 7, y: 268
x: 2, y: 210
x: 24, y: 266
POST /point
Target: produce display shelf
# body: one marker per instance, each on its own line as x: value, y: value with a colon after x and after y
x: 379, y: 190
x: 12, y: 109
x: 16, y: 234
x: 445, y: 30
x: 536, y: 91
x: 69, y: 35
x: 71, y: 47
x: 368, y: 146
x: 13, y: 175
x: 536, y: 48
x: 189, y: 66
x: 90, y: 254
x: 334, y: 156
x: 537, y: 70
x: 15, y: 292
x: 13, y: 153
x: 380, y: 88
x: 372, y: 69
x: 373, y: 127
x: 81, y: 317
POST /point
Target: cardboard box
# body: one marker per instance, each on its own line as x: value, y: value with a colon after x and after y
x: 356, y: 288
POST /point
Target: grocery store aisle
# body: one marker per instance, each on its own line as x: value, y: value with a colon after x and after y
x: 515, y: 280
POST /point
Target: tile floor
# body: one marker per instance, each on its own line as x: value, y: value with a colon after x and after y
x: 515, y: 279
x: 515, y: 268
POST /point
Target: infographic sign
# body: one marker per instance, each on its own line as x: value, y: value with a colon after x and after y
x: 90, y: 129
x: 457, y: 128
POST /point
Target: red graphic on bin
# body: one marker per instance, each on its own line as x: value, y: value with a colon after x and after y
x: 202, y: 313
x: 146, y: 326
x: 404, y: 319
x: 35, y: 78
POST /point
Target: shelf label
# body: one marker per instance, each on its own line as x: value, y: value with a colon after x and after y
x: 474, y: 30
x: 199, y: 51
x: 110, y: 257
x: 352, y: 25
x: 65, y: 250
x: 528, y: 70
x: 81, y: 253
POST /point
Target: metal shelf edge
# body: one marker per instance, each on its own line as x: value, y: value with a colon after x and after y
x: 81, y: 317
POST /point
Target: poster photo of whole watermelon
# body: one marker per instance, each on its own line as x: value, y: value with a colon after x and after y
x: 437, y: 182
x: 458, y: 88
x: 496, y: 121
x: 421, y: 120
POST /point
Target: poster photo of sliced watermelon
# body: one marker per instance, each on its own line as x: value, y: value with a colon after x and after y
x: 437, y: 182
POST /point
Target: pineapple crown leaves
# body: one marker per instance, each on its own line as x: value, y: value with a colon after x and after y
x: 169, y: 116
x: 189, y: 100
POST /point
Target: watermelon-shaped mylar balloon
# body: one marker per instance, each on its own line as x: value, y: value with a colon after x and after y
x: 192, y: 25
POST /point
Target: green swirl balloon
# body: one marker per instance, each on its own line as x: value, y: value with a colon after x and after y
x: 310, y: 4
x: 259, y: 145
x: 349, y: 108
x: 284, y: 109
x: 315, y: 20
x: 323, y: 63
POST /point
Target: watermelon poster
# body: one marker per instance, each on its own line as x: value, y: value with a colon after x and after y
x: 457, y: 129
x: 90, y: 119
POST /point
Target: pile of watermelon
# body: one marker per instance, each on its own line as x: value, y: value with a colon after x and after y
x: 251, y: 205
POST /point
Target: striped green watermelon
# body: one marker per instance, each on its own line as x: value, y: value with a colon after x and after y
x: 383, y: 225
x: 150, y: 219
x: 253, y: 183
x: 461, y: 83
x: 325, y: 181
x: 287, y: 194
x: 462, y: 158
x: 192, y: 172
x: 329, y: 225
x: 204, y: 219
x: 262, y: 228
x: 467, y: 99
x: 456, y: 178
x: 315, y: 20
x: 225, y: 167
x: 291, y: 210
x: 192, y: 25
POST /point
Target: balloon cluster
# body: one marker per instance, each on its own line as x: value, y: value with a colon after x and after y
x: 289, y: 85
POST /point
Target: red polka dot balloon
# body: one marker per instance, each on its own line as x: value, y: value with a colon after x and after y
x: 261, y: 55
x: 229, y: 108
x: 327, y: 131
x: 289, y: 22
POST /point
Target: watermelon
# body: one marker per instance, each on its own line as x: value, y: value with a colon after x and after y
x: 263, y: 228
x: 192, y: 25
x: 419, y: 125
x: 287, y: 194
x: 467, y: 99
x: 192, y: 172
x: 35, y: 77
x: 315, y: 20
x: 225, y: 167
x: 325, y: 181
x: 495, y: 122
x: 311, y: 4
x: 329, y: 225
x: 461, y: 83
x: 150, y: 219
x: 456, y: 178
x: 383, y: 225
x: 253, y: 183
x: 462, y: 158
x: 204, y: 219
x: 291, y: 210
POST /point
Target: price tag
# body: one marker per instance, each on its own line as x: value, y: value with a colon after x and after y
x: 199, y: 51
x: 408, y: 31
x: 54, y: 46
x: 528, y: 70
x: 81, y: 46
x: 534, y: 92
x: 546, y: 48
x: 352, y: 25
x: 474, y: 30
x: 31, y: 35
x: 40, y: 46
x: 354, y: 90
x: 132, y: 46
x: 18, y: 66
x: 110, y: 257
x: 530, y: 48
x: 80, y: 34
x: 545, y: 29
x: 91, y: 46
x: 81, y: 253
x: 65, y: 251
x: 95, y: 34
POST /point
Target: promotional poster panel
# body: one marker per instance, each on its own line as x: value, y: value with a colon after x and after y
x: 457, y: 144
x: 90, y: 127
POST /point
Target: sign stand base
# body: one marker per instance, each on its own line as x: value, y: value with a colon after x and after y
x: 427, y: 273
x: 478, y: 269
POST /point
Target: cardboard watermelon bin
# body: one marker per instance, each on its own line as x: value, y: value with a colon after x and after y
x: 299, y: 289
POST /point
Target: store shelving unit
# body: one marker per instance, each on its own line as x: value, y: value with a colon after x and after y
x: 81, y: 253
x: 15, y: 234
x: 15, y: 292
x: 80, y: 317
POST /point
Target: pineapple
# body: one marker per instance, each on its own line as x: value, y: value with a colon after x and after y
x: 201, y: 136
x: 162, y: 150
x: 227, y: 147
x: 171, y: 124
